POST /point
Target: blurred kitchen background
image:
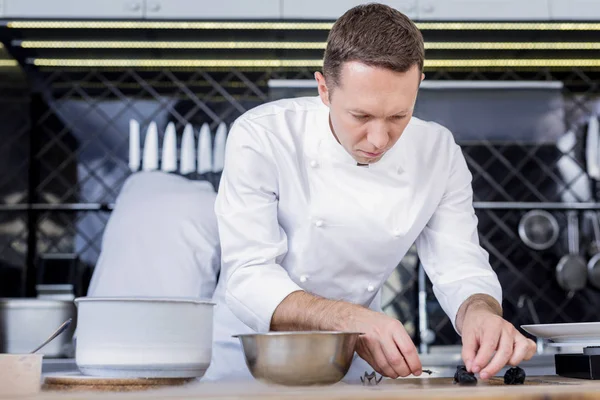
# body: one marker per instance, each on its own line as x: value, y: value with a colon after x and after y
x: 516, y: 82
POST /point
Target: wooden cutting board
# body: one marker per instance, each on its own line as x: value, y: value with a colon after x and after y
x: 75, y: 381
x: 542, y: 388
x: 437, y: 383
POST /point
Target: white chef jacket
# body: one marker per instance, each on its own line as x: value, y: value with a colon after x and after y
x: 295, y: 212
x: 161, y: 240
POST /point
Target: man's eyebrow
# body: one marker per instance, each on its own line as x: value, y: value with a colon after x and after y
x: 359, y: 111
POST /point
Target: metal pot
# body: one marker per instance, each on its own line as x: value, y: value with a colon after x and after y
x: 143, y: 337
x: 538, y: 229
x: 27, y: 322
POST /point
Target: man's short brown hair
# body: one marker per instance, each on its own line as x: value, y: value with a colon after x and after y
x: 376, y: 35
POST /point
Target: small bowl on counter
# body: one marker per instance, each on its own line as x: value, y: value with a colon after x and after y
x: 20, y: 374
x: 299, y: 358
x: 133, y: 337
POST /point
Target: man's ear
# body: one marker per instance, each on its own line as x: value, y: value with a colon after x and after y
x: 322, y: 88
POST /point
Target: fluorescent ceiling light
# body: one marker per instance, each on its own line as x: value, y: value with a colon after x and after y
x: 8, y: 63
x: 194, y: 25
x: 257, y: 63
x: 100, y: 44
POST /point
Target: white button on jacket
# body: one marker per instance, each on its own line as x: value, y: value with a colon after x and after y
x: 344, y: 226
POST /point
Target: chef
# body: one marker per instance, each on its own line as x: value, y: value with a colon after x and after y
x: 320, y: 199
x: 161, y: 240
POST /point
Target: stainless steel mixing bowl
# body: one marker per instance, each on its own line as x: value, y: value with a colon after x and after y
x: 299, y: 358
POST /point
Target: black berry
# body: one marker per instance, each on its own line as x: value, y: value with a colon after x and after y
x: 514, y: 376
x: 463, y: 377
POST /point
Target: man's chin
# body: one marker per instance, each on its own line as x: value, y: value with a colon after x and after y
x: 367, y: 160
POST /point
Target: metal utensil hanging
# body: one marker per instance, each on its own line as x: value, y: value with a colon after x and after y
x: 538, y: 229
x: 593, y: 265
x: 571, y: 270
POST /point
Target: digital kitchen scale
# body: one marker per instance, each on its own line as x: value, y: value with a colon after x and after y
x: 584, y: 365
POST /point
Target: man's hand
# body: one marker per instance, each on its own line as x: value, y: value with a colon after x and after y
x: 385, y: 344
x: 489, y: 341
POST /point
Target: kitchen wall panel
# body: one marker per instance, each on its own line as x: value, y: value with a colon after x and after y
x: 89, y: 120
x: 14, y: 178
x: 74, y: 9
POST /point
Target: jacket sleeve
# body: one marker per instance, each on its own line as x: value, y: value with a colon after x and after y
x: 449, y: 246
x: 252, y: 241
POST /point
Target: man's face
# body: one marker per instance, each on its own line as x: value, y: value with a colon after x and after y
x: 370, y: 108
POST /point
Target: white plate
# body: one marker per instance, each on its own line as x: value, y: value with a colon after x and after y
x: 578, y: 345
x: 582, y: 333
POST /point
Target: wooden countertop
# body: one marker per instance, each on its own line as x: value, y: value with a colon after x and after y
x: 547, y: 387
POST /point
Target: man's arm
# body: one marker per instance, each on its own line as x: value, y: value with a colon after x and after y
x: 448, y: 246
x: 463, y: 280
x: 385, y: 344
x: 252, y: 241
x: 301, y: 311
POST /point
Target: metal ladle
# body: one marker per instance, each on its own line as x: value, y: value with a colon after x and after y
x: 594, y: 262
x: 571, y: 271
x: 57, y: 332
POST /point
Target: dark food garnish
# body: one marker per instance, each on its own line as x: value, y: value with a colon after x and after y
x: 463, y: 377
x: 370, y: 379
x: 514, y: 376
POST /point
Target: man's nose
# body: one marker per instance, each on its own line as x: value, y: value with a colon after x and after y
x: 378, y: 136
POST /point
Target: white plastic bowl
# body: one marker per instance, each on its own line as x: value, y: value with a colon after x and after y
x: 143, y: 337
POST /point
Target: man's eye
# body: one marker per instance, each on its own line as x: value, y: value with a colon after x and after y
x: 398, y: 117
x: 361, y: 117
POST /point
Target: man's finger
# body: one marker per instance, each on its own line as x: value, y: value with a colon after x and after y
x: 395, y: 358
x: 382, y: 361
x: 364, y: 351
x: 469, y: 350
x: 524, y: 350
x: 531, y: 349
x: 409, y: 352
x: 488, y: 344
x: 385, y: 368
x: 520, y: 352
x: 503, y: 354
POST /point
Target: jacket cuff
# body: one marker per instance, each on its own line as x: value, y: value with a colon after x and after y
x: 452, y: 297
x: 253, y: 299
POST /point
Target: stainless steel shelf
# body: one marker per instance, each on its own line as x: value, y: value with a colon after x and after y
x: 58, y: 207
x: 492, y: 205
x: 478, y: 205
